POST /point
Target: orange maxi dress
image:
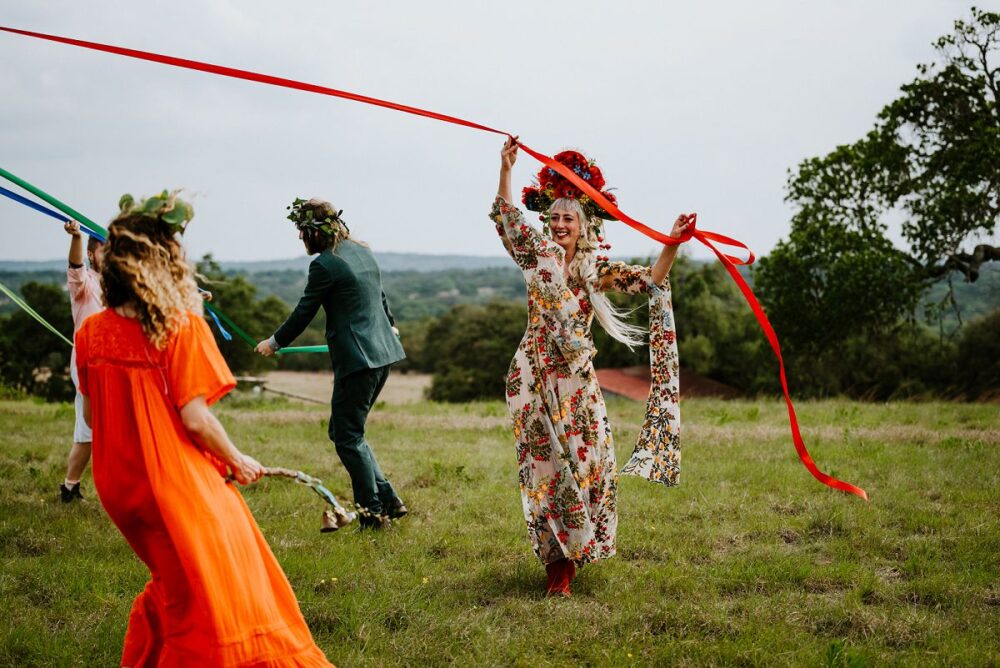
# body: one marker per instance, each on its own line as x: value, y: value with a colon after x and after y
x: 217, y: 596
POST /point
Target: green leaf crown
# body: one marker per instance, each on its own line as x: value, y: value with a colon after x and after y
x: 165, y: 207
x: 304, y: 215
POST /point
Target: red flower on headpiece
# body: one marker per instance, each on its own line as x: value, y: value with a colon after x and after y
x: 596, y: 178
x: 553, y: 185
x: 566, y: 189
x: 547, y: 176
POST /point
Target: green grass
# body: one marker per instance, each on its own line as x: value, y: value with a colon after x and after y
x: 748, y: 562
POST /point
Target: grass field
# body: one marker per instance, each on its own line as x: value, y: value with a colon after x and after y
x: 748, y: 562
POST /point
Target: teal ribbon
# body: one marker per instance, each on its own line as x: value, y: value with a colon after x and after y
x: 33, y: 313
x: 304, y: 349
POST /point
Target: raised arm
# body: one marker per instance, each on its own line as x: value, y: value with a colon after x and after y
x: 508, y: 156
x: 76, y: 254
x: 631, y: 279
x: 666, y: 260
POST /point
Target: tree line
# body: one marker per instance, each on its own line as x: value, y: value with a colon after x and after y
x: 858, y: 315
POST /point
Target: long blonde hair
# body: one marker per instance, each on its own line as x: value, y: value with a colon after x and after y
x: 145, y: 267
x: 583, y: 268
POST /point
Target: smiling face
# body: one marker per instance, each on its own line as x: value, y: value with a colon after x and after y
x: 564, y: 225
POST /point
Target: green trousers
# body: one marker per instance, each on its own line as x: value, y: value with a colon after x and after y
x: 353, y: 397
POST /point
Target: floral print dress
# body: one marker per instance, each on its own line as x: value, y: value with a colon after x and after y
x: 565, y: 451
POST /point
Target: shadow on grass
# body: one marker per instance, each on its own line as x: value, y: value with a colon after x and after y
x: 494, y: 584
x: 498, y: 584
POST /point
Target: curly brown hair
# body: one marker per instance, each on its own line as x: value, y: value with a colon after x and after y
x: 145, y: 267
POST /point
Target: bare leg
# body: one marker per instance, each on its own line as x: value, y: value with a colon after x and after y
x: 79, y: 456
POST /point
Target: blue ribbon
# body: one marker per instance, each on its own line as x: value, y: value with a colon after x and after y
x: 60, y: 217
x: 222, y: 330
x: 47, y: 211
x: 211, y: 311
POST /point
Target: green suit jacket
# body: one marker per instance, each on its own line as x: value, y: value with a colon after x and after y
x: 347, y: 283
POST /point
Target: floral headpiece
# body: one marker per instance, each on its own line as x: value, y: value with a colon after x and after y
x: 165, y: 207
x: 308, y: 214
x: 551, y: 185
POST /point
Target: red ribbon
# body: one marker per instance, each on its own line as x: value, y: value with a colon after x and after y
x: 706, y: 238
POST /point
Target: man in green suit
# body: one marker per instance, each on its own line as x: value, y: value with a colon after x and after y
x: 344, y: 279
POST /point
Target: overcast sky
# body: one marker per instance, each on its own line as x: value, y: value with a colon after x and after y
x: 694, y: 106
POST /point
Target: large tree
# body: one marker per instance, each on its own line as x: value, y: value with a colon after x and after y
x: 932, y: 160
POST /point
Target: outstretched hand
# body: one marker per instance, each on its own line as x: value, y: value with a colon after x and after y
x: 264, y: 348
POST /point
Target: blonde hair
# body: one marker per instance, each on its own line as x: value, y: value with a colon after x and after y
x: 583, y: 268
x: 145, y: 267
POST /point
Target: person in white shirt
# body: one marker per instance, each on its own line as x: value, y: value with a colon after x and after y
x: 84, y: 285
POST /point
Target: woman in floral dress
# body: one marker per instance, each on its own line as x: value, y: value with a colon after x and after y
x: 565, y: 451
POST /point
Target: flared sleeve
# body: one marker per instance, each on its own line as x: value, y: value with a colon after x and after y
x: 625, y: 278
x: 657, y: 453
x: 195, y: 367
x: 523, y: 242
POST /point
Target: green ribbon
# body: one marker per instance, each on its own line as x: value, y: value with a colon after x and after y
x: 304, y: 349
x: 68, y: 210
x: 34, y: 314
x: 253, y: 344
x: 232, y: 325
x: 87, y: 222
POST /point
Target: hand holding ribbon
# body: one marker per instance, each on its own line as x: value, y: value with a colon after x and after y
x: 729, y: 262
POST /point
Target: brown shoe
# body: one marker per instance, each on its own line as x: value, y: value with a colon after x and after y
x: 397, y: 509
x: 335, y: 519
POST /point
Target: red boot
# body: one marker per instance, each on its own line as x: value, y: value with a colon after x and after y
x: 559, y: 577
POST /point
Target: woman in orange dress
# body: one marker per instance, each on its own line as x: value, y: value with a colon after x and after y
x: 149, y: 368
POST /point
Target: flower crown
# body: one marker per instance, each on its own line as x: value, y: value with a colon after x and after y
x: 165, y: 207
x: 551, y: 185
x: 303, y: 214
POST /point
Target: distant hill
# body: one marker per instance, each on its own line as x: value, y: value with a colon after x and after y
x: 16, y: 266
x: 387, y: 261
x: 428, y: 285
